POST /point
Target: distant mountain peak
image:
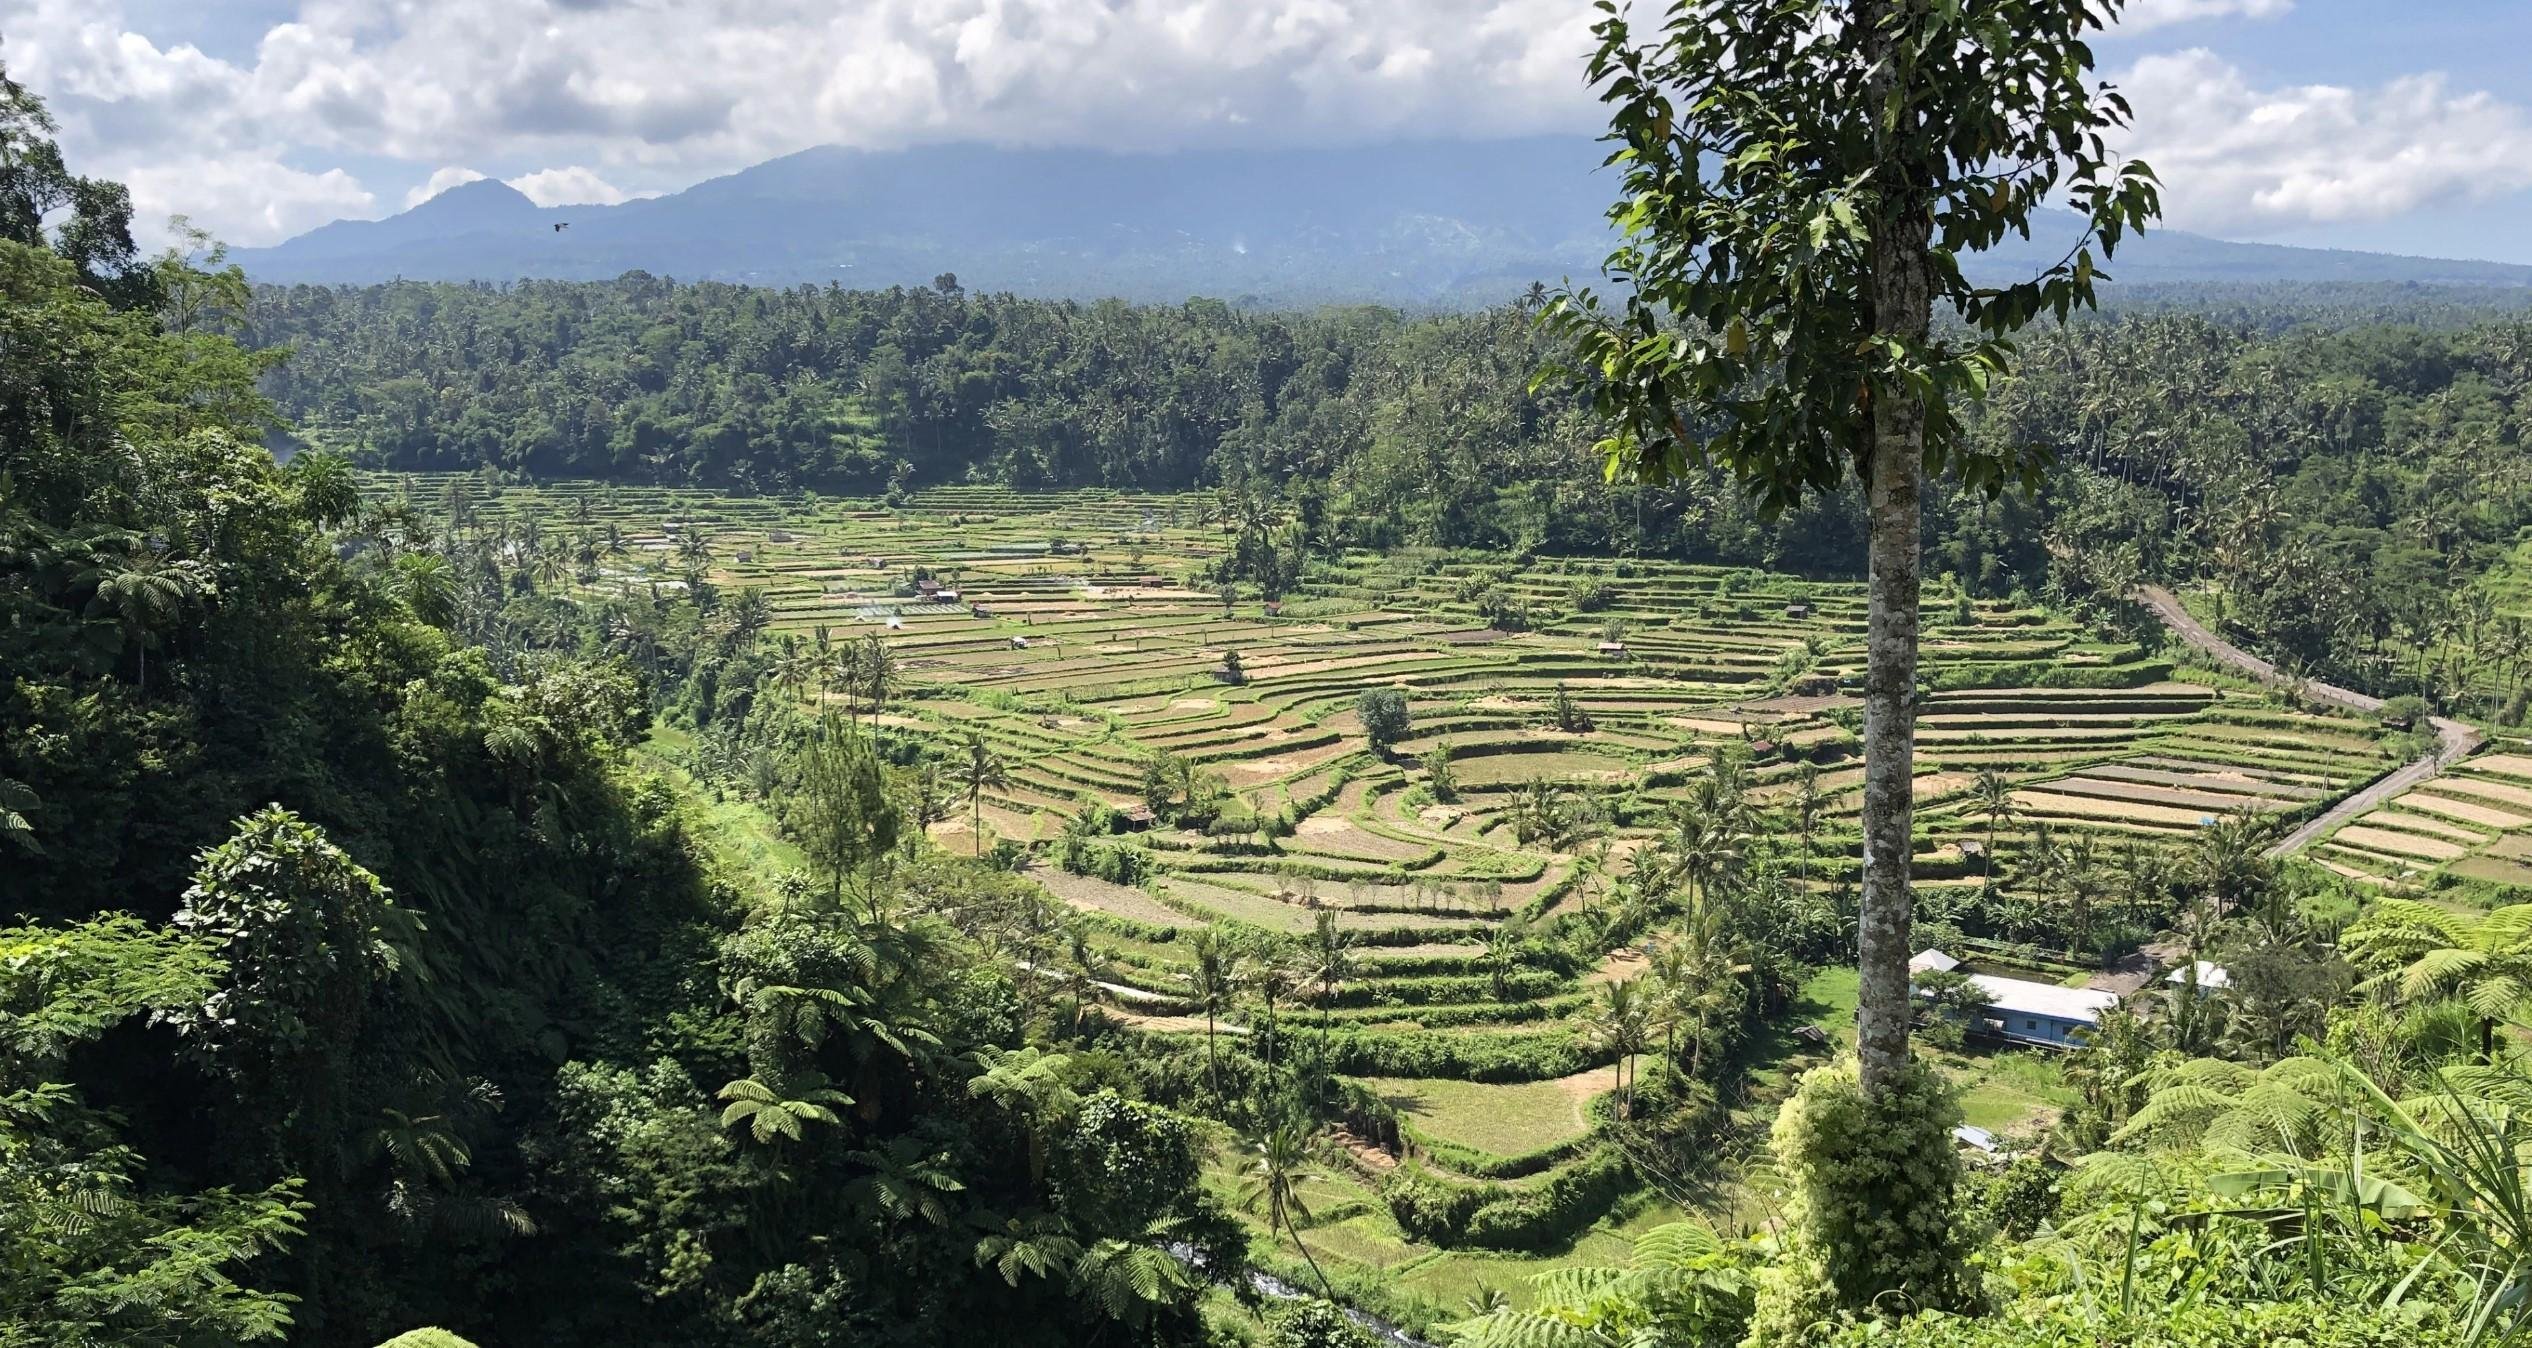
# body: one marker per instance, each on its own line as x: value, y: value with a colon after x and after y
x: 488, y: 198
x: 1438, y: 223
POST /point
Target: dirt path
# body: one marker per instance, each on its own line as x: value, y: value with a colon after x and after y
x: 2453, y: 739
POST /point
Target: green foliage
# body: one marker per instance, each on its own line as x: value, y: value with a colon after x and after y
x: 426, y: 1338
x: 1871, y: 1220
x: 2304, y: 1324
x: 1686, y: 1287
x: 1383, y: 713
x: 93, y: 1247
x: 1312, y: 1323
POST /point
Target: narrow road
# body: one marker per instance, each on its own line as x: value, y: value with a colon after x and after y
x: 2453, y: 739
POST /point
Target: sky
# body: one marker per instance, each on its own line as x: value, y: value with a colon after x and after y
x: 2388, y: 125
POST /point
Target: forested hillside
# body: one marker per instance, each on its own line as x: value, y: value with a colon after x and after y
x: 2347, y: 481
x: 359, y: 974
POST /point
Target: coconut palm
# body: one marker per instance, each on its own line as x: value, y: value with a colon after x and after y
x: 1991, y: 795
x: 979, y: 772
x: 1330, y: 964
x: 1216, y: 978
x: 1281, y: 1160
x: 1619, y: 1025
x: 878, y: 672
x: 1809, y: 802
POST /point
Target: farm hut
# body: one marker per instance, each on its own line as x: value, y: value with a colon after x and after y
x: 777, y: 536
x: 945, y: 596
x: 1613, y: 648
x: 1797, y: 610
x: 2200, y: 974
x: 1815, y: 685
x: 1812, y: 1036
x: 2045, y: 1014
x: 2391, y: 722
x: 1151, y: 582
x: 1977, y: 1140
x: 1274, y: 608
x: 1019, y: 643
x: 927, y: 586
x: 1932, y: 961
x: 978, y: 611
x: 747, y: 554
x: 1138, y: 816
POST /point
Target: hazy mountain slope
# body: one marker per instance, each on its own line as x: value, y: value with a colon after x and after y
x: 1438, y: 223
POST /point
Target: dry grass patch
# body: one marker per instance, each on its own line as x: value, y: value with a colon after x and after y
x: 2397, y: 844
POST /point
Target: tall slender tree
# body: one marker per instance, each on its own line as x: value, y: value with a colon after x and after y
x: 1801, y: 180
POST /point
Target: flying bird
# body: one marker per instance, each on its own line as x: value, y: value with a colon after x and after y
x: 561, y: 225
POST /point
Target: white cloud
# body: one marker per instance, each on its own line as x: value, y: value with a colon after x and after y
x: 634, y: 96
x: 572, y: 186
x: 2142, y: 15
x: 441, y: 180
x: 241, y: 200
x: 2237, y: 158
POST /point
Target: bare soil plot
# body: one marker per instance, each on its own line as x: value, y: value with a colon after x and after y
x: 2487, y: 816
x: 2504, y: 793
x: 2397, y: 844
x: 2088, y: 807
x: 1094, y: 895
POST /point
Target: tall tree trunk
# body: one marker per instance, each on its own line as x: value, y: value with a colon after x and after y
x: 1901, y: 299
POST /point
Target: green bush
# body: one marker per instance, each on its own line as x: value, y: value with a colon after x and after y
x: 1440, y: 1210
x: 426, y: 1338
x: 2337, y: 1323
x: 1871, y: 1221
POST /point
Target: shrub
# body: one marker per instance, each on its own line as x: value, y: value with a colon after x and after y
x: 1870, y: 1224
x: 1312, y: 1323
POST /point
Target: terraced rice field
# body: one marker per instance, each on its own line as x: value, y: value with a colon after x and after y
x: 1079, y: 634
x: 2473, y: 821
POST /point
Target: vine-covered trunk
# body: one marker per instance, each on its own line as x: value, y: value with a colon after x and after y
x: 1902, y: 288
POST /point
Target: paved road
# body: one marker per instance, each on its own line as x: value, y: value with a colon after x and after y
x: 2453, y: 739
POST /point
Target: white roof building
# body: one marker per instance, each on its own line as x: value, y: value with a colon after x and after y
x: 2209, y: 976
x: 2080, y: 1005
x: 1932, y: 961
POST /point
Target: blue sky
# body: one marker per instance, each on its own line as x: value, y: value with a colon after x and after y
x: 2394, y: 125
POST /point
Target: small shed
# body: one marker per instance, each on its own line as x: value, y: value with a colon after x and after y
x: 1797, y: 610
x: 1976, y: 1139
x: 945, y: 596
x: 1812, y: 1036
x: 1932, y: 962
x: 1274, y: 608
x: 1612, y: 648
x: 2202, y: 975
x: 1138, y: 816
x: 747, y: 554
x: 1019, y: 643
x: 978, y: 611
x: 927, y: 585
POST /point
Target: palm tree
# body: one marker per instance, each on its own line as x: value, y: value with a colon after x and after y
x: 981, y: 772
x: 878, y: 672
x: 1619, y: 1026
x: 426, y: 585
x: 1330, y: 962
x: 1991, y: 795
x: 144, y: 592
x: 1216, y: 977
x: 1809, y: 801
x: 1280, y: 1161
x: 2419, y: 950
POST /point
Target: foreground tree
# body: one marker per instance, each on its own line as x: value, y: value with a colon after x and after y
x: 1801, y: 180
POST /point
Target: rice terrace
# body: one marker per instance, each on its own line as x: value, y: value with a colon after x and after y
x: 1183, y: 761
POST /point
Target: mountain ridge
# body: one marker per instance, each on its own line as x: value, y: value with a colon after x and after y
x: 1430, y: 225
